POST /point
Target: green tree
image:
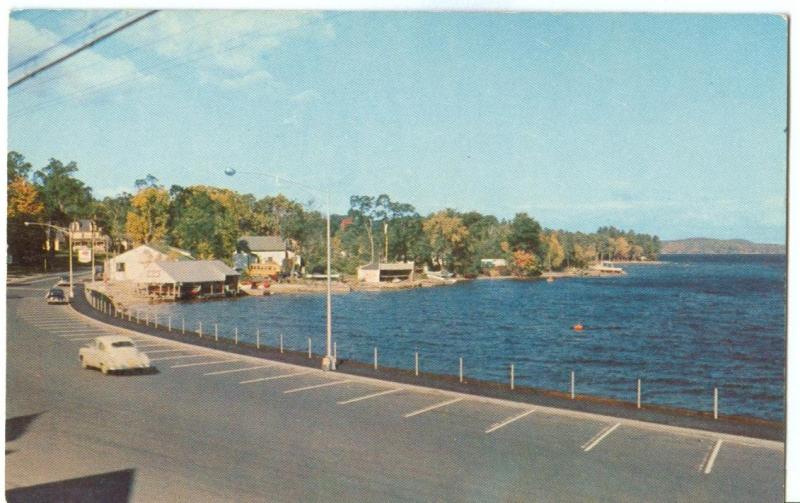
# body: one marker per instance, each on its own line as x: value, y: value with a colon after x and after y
x: 524, y: 233
x: 446, y: 235
x: 65, y: 197
x: 146, y: 220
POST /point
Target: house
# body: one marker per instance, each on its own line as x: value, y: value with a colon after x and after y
x: 131, y: 265
x: 494, y: 266
x: 377, y: 272
x: 345, y: 223
x: 84, y: 232
x: 188, y: 278
x: 265, y: 248
x: 266, y: 269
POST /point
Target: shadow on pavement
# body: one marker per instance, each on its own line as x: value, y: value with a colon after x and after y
x: 17, y: 426
x: 103, y: 487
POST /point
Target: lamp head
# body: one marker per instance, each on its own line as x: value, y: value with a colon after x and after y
x: 230, y: 171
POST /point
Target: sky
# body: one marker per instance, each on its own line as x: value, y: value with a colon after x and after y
x: 667, y: 124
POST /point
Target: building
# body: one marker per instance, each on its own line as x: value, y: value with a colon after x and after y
x: 265, y: 248
x: 131, y: 265
x: 494, y: 266
x: 377, y: 272
x: 83, y: 232
x: 187, y: 279
x: 267, y: 269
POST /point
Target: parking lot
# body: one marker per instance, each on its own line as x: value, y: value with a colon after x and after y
x: 346, y: 436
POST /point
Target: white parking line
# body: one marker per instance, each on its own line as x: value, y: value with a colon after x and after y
x: 79, y: 338
x: 323, y: 385
x: 276, y: 377
x: 140, y: 346
x: 712, y: 456
x: 433, y: 407
x: 497, y: 426
x: 588, y: 446
x: 177, y: 357
x: 195, y: 364
x: 218, y: 372
x: 153, y: 351
x: 367, y: 397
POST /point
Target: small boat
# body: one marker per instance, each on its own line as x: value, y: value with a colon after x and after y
x: 550, y: 279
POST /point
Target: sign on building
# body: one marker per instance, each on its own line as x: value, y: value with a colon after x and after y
x: 84, y: 254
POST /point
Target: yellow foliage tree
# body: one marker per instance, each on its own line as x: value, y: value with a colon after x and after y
x: 622, y: 250
x: 445, y: 232
x: 23, y: 200
x: 147, y: 219
x: 555, y: 252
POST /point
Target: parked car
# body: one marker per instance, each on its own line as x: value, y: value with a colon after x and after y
x: 63, y: 281
x: 111, y: 353
x: 56, y: 296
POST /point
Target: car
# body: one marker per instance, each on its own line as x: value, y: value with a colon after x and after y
x: 113, y: 353
x: 63, y: 281
x: 56, y: 296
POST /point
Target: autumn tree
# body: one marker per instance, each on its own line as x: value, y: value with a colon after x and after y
x: 525, y: 264
x: 446, y: 233
x: 146, y: 221
x: 24, y: 204
x: 554, y: 252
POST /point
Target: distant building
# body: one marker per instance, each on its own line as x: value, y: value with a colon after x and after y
x: 83, y: 232
x: 131, y: 265
x: 265, y: 248
x: 494, y: 266
x: 345, y: 223
x: 377, y: 272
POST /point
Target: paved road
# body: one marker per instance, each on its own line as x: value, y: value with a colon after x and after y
x: 211, y: 426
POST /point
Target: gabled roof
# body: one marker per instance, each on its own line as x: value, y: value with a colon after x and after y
x: 264, y: 243
x: 194, y: 271
x: 389, y: 266
x: 172, y: 252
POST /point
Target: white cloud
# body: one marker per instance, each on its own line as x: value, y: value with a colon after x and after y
x: 227, y: 47
x: 87, y: 71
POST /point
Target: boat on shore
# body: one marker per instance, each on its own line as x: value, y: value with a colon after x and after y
x: 607, y: 268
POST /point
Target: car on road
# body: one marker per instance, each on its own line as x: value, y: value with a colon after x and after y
x: 56, y: 296
x: 63, y: 281
x: 112, y: 353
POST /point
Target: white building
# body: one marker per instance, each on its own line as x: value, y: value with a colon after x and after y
x: 375, y: 273
x: 266, y: 248
x: 188, y: 278
x: 131, y: 265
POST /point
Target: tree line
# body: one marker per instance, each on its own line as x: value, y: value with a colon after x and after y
x: 209, y: 221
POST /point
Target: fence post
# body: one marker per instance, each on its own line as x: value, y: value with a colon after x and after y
x: 375, y: 358
x: 638, y: 393
x: 236, y: 336
x: 155, y: 320
x: 335, y: 358
x: 572, y: 384
x: 183, y: 325
x: 416, y: 363
x: 460, y: 369
x: 512, y: 376
x: 309, y: 347
x: 281, y: 343
x: 137, y: 316
x: 169, y: 323
x: 147, y: 318
x: 716, y: 403
x: 258, y: 338
x: 200, y: 328
x: 130, y: 315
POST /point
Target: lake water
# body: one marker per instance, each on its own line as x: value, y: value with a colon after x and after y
x: 683, y: 327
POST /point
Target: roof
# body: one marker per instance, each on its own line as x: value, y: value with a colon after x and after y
x: 82, y: 225
x: 113, y: 338
x: 264, y: 243
x: 389, y: 266
x: 172, y: 251
x: 194, y: 271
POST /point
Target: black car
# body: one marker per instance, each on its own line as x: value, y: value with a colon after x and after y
x: 56, y: 296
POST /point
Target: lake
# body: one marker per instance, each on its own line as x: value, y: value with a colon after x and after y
x: 683, y: 327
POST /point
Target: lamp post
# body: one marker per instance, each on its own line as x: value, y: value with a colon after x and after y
x: 69, y: 235
x: 329, y: 363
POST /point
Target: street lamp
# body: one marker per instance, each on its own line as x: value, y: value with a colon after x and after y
x: 69, y: 235
x: 328, y: 363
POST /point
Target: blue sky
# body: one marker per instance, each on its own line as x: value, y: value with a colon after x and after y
x: 667, y: 124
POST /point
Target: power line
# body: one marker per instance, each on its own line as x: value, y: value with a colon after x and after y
x: 86, y: 29
x: 81, y: 48
x: 170, y: 63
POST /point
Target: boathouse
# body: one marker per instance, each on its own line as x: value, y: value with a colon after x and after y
x: 390, y: 271
x: 131, y: 265
x: 187, y: 279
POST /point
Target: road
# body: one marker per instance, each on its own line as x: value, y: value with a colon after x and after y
x: 211, y: 426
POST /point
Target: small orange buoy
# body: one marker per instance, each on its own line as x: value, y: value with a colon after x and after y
x: 577, y: 327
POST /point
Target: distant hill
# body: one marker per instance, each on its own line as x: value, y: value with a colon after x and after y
x: 719, y: 247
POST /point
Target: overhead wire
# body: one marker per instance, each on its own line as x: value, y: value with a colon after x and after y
x: 88, y: 29
x: 81, y: 48
x: 170, y: 62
